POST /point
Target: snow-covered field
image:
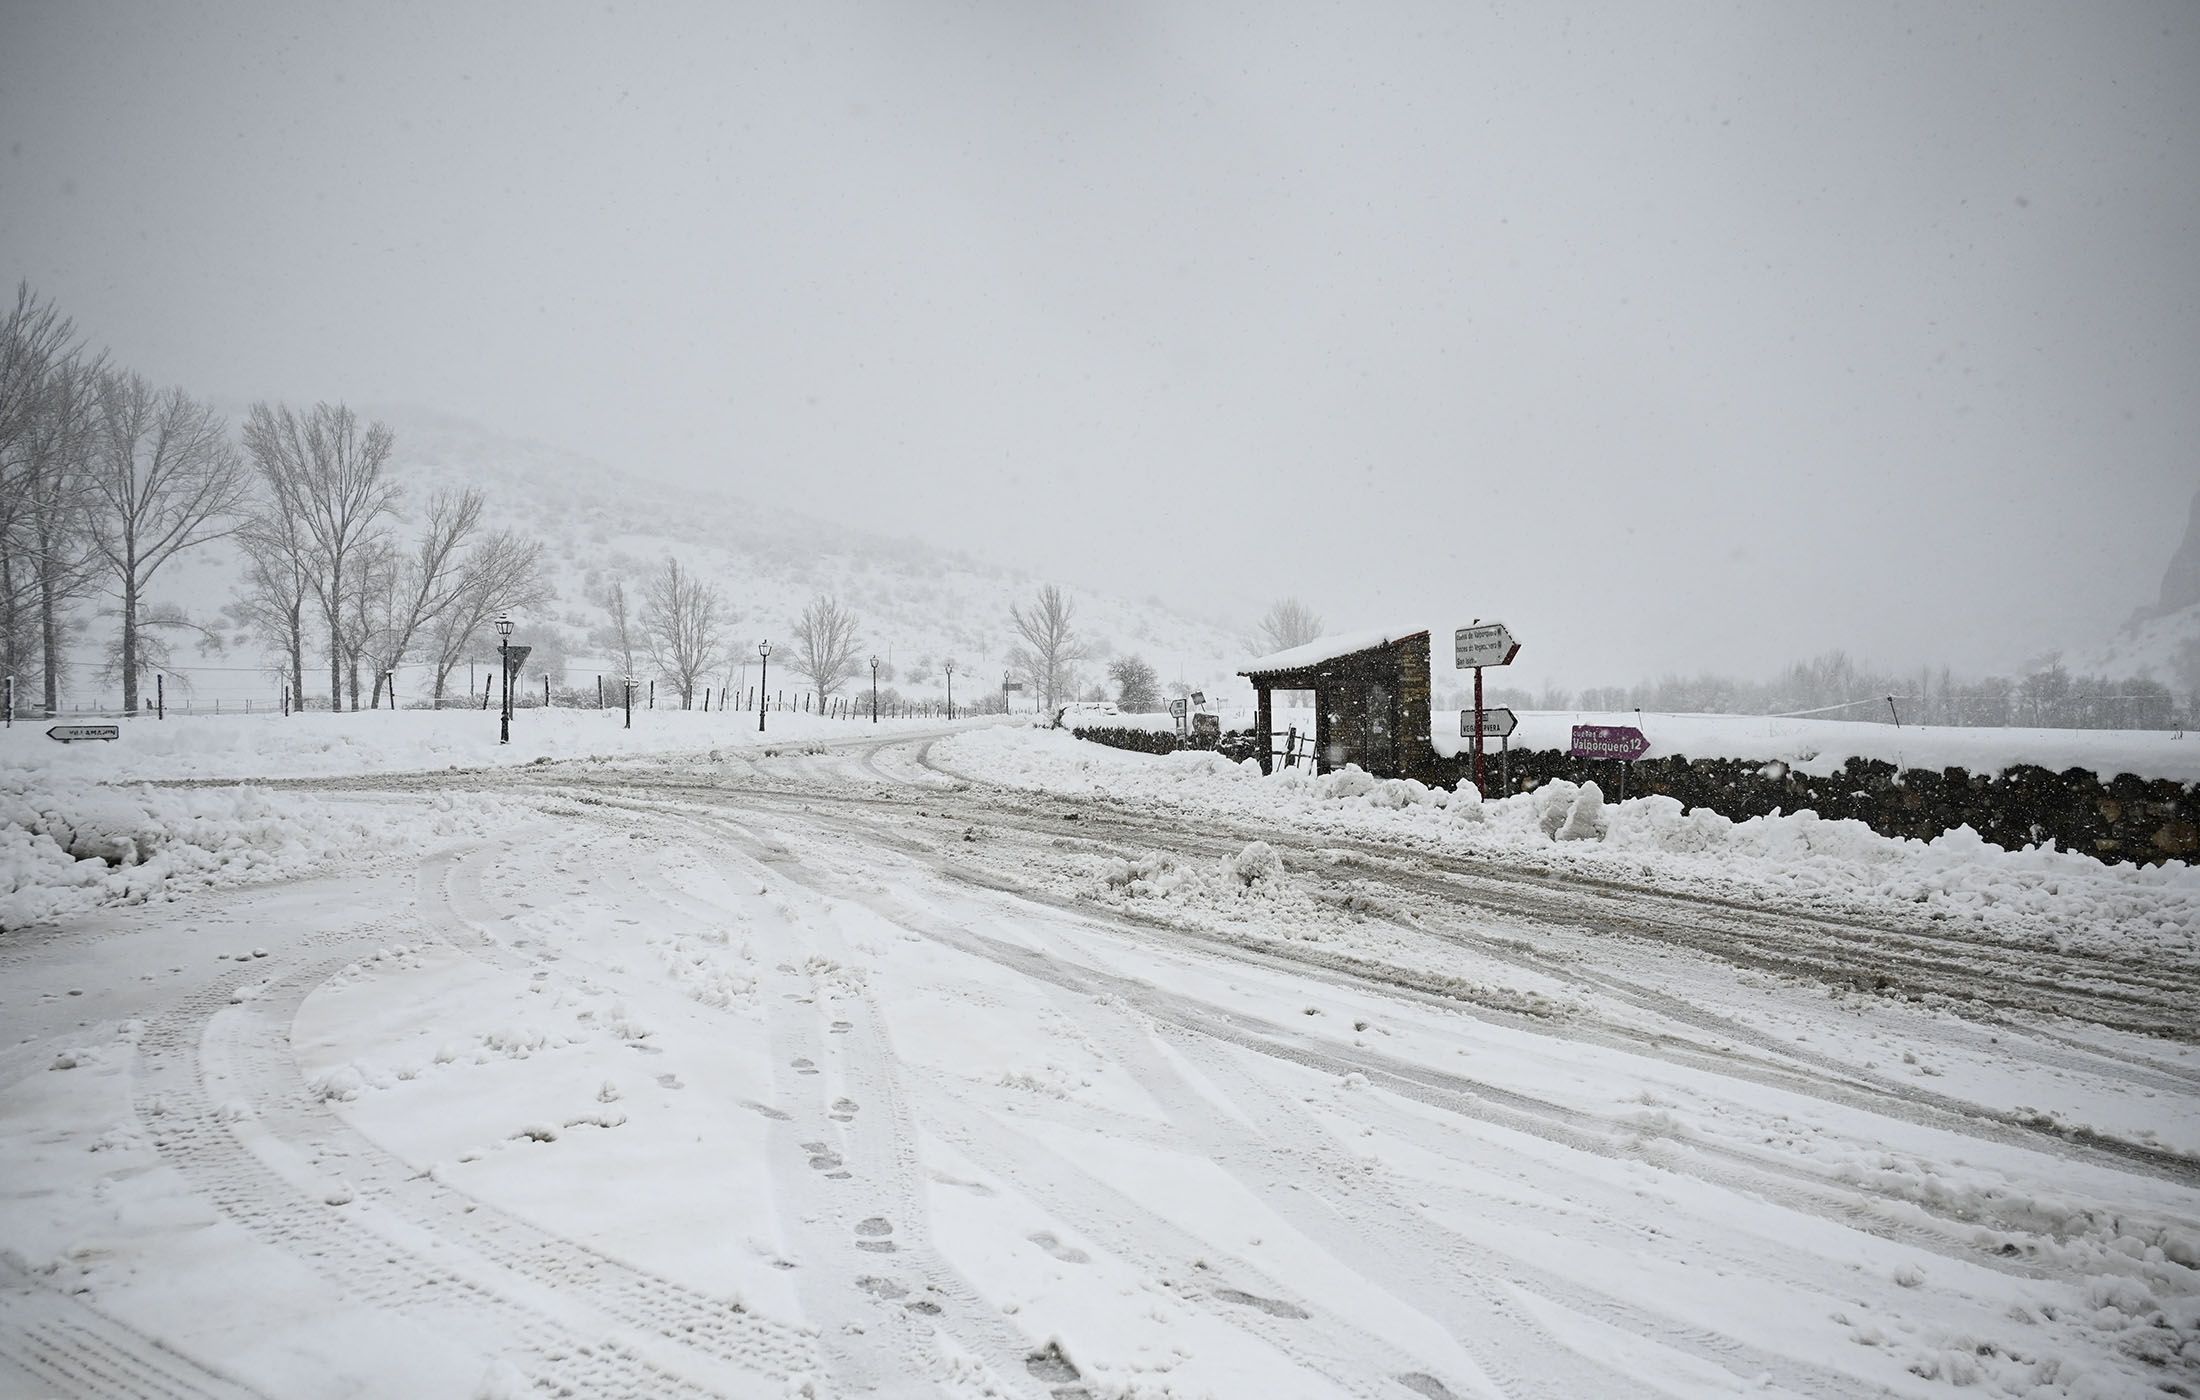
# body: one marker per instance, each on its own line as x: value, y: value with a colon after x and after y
x: 1817, y: 746
x: 991, y: 1063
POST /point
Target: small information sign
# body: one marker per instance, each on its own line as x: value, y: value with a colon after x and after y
x: 1497, y: 724
x: 73, y: 733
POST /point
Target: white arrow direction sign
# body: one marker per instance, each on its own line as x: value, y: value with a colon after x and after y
x: 1496, y: 724
x: 1487, y: 644
x: 70, y: 733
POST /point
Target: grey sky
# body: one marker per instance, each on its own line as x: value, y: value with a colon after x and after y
x: 1681, y: 337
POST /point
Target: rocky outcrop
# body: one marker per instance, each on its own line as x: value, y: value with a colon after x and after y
x: 2181, y: 580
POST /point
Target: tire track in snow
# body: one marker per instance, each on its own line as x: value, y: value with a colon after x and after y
x: 370, y: 1258
x: 253, y: 1047
x: 1353, y: 1361
x: 61, y: 1342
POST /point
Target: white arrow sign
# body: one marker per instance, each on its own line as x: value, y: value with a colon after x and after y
x: 1496, y: 724
x: 1487, y: 644
x: 71, y: 733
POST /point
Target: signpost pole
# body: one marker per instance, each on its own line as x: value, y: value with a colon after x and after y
x: 1505, y: 762
x: 1480, y: 779
x: 763, y: 680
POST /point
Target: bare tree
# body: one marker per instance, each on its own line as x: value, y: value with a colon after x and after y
x: 1051, y: 648
x: 165, y: 478
x: 825, y: 645
x: 277, y: 579
x: 1138, y: 689
x: 1288, y: 623
x: 411, y: 593
x: 622, y: 626
x: 503, y: 571
x: 684, y: 620
x: 333, y: 473
x: 48, y: 401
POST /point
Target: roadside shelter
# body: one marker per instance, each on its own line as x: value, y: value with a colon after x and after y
x: 1371, y: 701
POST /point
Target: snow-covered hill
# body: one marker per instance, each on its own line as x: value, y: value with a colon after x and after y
x: 919, y: 605
x: 2162, y: 640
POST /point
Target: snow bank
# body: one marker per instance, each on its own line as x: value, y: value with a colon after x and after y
x: 384, y: 741
x: 81, y: 846
x: 2074, y: 901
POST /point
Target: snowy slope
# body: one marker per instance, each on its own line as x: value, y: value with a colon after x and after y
x: 919, y: 605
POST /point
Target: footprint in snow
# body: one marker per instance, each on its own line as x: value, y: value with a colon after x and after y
x: 881, y: 1288
x: 843, y: 1027
x: 1068, y: 1254
x: 1274, y: 1307
x: 844, y: 1110
x: 1421, y: 1383
x: 1051, y: 1365
x: 804, y: 1067
x: 872, y: 1235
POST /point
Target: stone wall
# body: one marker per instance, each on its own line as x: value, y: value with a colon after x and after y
x: 2147, y: 820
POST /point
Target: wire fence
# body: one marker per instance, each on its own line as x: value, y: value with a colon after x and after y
x: 153, y: 703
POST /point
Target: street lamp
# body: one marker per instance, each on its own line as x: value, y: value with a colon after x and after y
x: 763, y: 682
x: 951, y: 692
x: 504, y: 664
x: 874, y: 690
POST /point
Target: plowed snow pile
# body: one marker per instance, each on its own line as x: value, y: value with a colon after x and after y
x: 2071, y: 902
x: 67, y: 849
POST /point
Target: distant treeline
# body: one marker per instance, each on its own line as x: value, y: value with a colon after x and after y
x: 2048, y: 696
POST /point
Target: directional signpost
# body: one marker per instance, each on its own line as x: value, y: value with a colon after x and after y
x: 1483, y: 644
x: 1500, y: 722
x: 1179, y: 710
x: 1621, y: 741
x: 1497, y: 724
x: 72, y: 733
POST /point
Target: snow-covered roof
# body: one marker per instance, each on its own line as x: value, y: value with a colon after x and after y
x: 1329, y: 648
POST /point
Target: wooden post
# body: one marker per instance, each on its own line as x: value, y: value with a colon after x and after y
x: 1264, y: 723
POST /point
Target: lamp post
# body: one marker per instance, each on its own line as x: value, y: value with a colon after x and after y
x: 504, y: 649
x: 874, y: 690
x: 763, y: 682
x: 950, y: 692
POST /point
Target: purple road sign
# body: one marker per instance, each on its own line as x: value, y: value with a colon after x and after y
x: 1620, y: 741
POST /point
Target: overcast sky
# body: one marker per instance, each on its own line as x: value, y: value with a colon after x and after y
x: 1679, y: 337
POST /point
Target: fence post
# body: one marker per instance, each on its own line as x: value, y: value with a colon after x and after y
x: 599, y: 692
x: 653, y: 693
x: 706, y: 699
x: 160, y: 697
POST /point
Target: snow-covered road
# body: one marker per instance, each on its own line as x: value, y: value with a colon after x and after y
x: 832, y: 1071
